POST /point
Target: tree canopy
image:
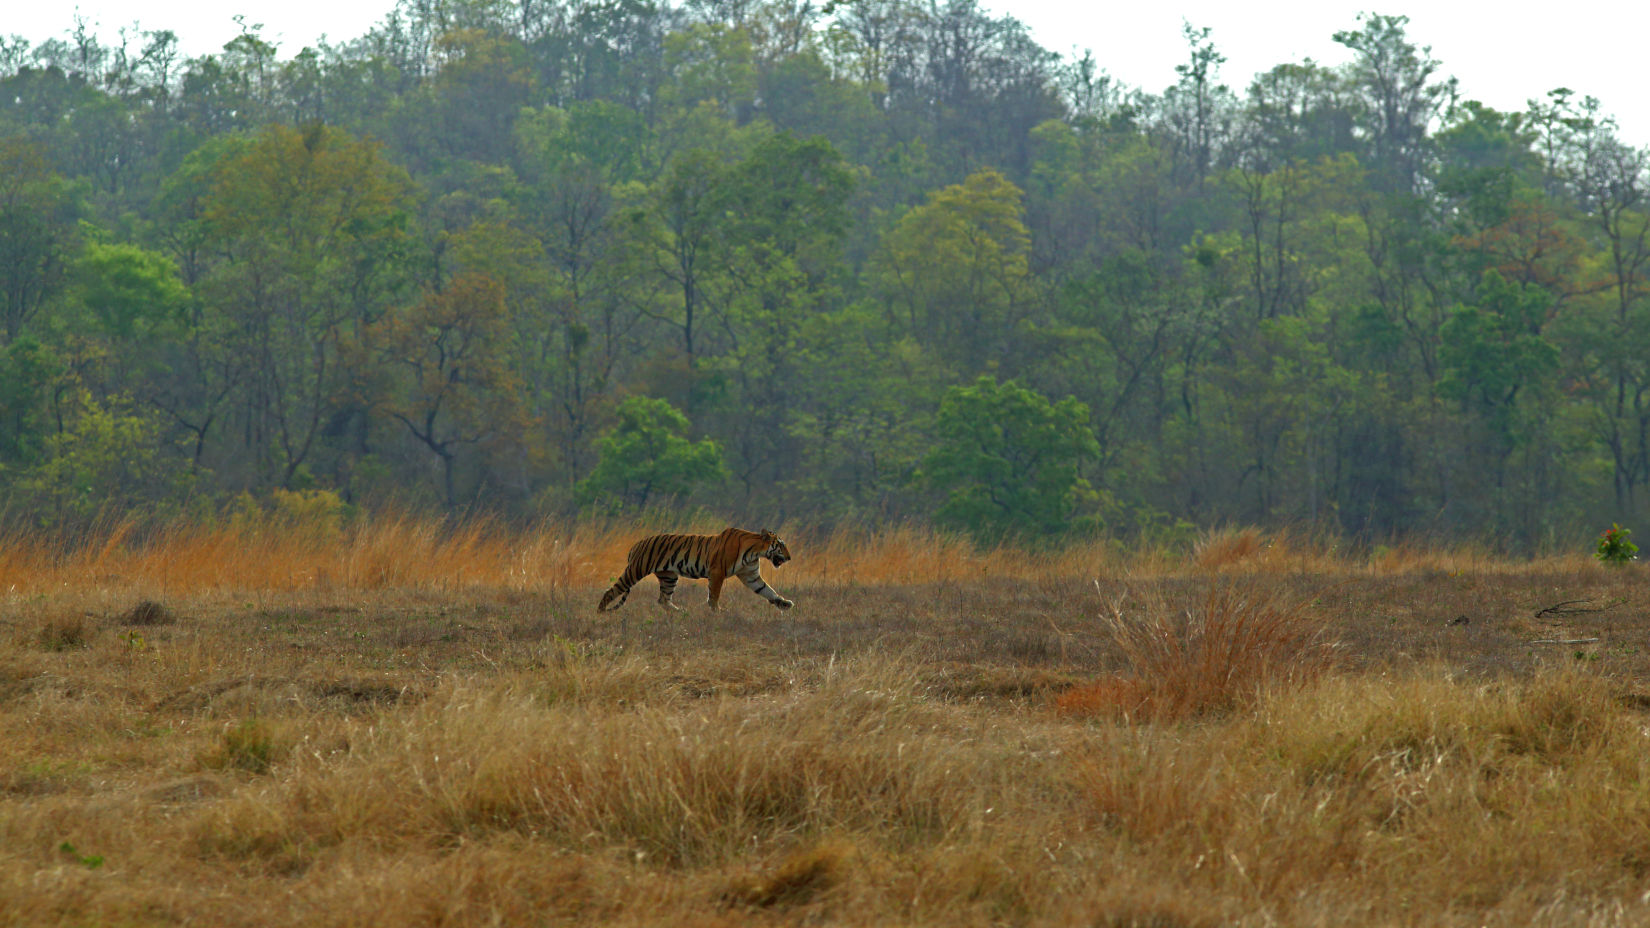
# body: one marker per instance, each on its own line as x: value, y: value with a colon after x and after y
x: 874, y: 260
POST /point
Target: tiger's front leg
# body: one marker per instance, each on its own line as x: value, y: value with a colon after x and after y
x: 753, y: 579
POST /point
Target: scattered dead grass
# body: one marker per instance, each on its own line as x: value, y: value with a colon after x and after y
x: 419, y: 725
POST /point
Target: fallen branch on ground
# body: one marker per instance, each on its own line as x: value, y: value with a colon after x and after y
x: 1561, y: 608
x: 1564, y: 641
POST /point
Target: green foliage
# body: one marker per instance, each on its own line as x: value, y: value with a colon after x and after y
x: 646, y: 457
x: 1493, y: 351
x: 28, y: 370
x: 956, y: 268
x: 129, y: 291
x: 111, y: 459
x: 318, y: 514
x: 89, y: 861
x: 1615, y: 547
x: 1010, y: 463
x: 38, y: 233
x: 428, y: 265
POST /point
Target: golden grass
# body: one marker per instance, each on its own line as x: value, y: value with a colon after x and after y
x: 443, y: 732
x: 401, y: 552
x: 1233, y: 646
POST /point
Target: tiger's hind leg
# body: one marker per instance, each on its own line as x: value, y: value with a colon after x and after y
x: 667, y: 588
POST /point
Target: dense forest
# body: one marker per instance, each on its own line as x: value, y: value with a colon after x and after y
x: 888, y: 259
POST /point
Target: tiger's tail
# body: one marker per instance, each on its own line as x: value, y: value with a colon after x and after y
x: 616, y: 594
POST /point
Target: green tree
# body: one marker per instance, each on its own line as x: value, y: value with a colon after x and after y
x: 1398, y: 98
x: 314, y: 231
x: 646, y: 457
x: 1010, y: 463
x: 1493, y: 352
x: 460, y: 390
x: 710, y: 65
x: 858, y: 423
x: 580, y: 168
x: 688, y: 217
x: 484, y: 82
x: 954, y: 271
x: 129, y: 292
x: 788, y: 206
x: 110, y: 458
x: 28, y: 371
x: 37, y: 234
x: 1502, y: 370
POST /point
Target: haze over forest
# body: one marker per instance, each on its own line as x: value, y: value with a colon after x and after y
x: 895, y: 262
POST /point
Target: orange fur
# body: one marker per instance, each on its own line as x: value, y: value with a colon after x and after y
x: 734, y: 552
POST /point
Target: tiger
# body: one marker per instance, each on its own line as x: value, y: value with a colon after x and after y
x: 733, y: 553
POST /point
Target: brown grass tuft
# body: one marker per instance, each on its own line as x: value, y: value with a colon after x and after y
x: 1228, y: 547
x: 1118, y: 696
x: 148, y: 612
x: 252, y: 745
x: 64, y: 632
x: 797, y: 880
x: 1236, y: 644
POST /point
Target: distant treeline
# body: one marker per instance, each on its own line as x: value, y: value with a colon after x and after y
x: 885, y: 260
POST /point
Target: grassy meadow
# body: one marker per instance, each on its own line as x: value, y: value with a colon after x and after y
x: 397, y: 723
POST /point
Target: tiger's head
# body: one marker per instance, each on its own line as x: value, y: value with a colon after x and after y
x: 774, y: 548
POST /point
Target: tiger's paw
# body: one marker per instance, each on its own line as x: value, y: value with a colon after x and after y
x: 783, y: 604
x: 670, y: 605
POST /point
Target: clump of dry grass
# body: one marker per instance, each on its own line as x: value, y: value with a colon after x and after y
x: 63, y: 632
x: 687, y: 790
x: 797, y: 879
x: 1383, y: 795
x: 1229, y: 547
x: 148, y: 612
x: 1255, y: 551
x: 1236, y: 644
x: 251, y: 744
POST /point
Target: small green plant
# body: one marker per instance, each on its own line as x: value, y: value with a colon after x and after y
x: 89, y: 861
x: 1615, y: 547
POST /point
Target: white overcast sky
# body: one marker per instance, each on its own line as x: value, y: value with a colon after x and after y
x: 1503, y: 53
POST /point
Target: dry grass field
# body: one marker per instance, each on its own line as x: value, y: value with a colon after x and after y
x: 399, y: 724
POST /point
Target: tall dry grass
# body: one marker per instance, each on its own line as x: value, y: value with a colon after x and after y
x: 406, y: 552
x: 1417, y: 799
x: 858, y: 752
x: 439, y: 750
x: 849, y: 796
x: 1234, y: 645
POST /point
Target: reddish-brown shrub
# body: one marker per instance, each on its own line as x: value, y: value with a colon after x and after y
x: 1236, y: 644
